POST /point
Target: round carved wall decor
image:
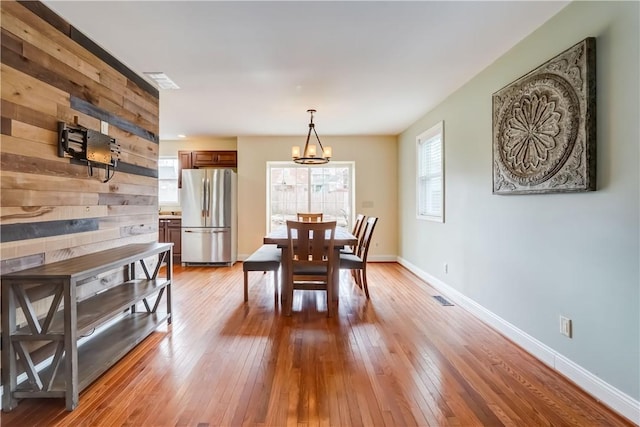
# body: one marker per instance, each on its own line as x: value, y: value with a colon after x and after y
x: 544, y: 128
x: 538, y: 128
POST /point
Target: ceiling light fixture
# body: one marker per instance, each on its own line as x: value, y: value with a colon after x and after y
x: 162, y: 80
x: 309, y: 154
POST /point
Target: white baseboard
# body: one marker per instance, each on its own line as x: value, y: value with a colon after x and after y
x: 617, y: 400
x: 382, y: 258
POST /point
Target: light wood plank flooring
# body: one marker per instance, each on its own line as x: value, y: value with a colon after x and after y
x: 399, y: 359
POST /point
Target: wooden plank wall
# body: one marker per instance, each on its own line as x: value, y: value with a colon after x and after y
x: 50, y: 209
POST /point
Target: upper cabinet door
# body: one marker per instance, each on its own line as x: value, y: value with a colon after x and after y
x: 200, y: 159
x: 227, y: 158
x: 184, y: 162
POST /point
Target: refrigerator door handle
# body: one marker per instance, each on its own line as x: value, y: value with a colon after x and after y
x: 204, y: 198
x: 207, y: 189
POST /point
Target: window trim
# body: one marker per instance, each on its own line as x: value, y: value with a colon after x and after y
x: 288, y: 164
x: 421, y: 139
x: 167, y: 202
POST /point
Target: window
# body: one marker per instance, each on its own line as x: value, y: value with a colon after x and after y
x: 328, y: 189
x: 430, y: 174
x: 168, y: 181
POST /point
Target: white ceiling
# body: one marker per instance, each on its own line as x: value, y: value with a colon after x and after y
x: 254, y: 68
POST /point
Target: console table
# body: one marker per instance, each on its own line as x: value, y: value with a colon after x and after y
x: 127, y: 312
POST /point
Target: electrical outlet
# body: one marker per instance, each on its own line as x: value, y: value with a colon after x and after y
x: 566, y: 327
x: 446, y: 268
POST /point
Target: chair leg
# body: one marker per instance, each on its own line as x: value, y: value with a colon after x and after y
x: 329, y: 299
x: 364, y: 281
x: 275, y: 285
x: 289, y: 300
x: 246, y: 286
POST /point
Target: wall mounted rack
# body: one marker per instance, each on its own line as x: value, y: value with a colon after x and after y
x: 89, y: 146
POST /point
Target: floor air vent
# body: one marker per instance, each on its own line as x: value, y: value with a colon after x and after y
x: 442, y: 300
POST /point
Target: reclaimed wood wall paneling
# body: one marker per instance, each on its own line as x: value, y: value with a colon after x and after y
x: 27, y: 115
x: 38, y: 149
x: 119, y: 183
x: 50, y: 72
x: 26, y: 214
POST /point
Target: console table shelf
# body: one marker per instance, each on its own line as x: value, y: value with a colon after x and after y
x: 96, y: 310
x: 96, y: 356
x: 73, y: 367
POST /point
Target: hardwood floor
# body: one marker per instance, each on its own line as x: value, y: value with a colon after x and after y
x: 399, y: 359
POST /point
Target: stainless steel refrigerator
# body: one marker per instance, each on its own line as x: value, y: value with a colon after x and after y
x: 209, y: 218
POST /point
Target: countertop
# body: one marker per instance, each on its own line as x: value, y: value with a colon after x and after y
x: 170, y: 215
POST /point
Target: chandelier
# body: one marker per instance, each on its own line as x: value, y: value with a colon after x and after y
x: 309, y: 156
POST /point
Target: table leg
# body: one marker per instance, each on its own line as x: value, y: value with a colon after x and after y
x: 336, y: 275
x: 286, y: 287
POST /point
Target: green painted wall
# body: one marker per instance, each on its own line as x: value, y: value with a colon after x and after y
x: 531, y: 258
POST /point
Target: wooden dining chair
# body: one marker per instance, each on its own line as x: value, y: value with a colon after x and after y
x: 311, y: 262
x: 357, y: 230
x: 358, y: 261
x: 310, y: 217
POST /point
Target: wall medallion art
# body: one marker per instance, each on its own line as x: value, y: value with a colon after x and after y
x: 544, y: 127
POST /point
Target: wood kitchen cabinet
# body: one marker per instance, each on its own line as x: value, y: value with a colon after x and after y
x: 205, y: 159
x: 169, y: 232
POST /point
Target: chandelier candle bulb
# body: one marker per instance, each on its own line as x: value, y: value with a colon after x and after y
x: 311, y: 151
x: 327, y: 152
x: 295, y: 152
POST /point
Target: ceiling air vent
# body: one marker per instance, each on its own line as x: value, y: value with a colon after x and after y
x: 162, y: 80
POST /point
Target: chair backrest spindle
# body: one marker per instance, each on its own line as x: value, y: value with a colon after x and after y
x: 310, y: 217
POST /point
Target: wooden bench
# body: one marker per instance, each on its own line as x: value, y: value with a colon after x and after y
x: 265, y: 258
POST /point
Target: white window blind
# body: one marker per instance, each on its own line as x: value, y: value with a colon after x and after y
x: 430, y: 174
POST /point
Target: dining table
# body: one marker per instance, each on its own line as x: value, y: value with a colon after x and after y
x: 279, y: 237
